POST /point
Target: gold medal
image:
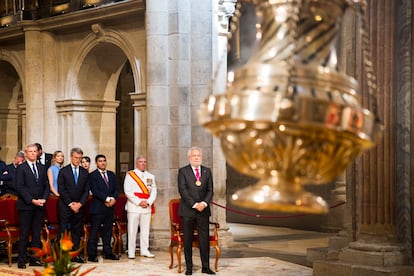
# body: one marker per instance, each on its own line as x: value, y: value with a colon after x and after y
x: 198, y: 183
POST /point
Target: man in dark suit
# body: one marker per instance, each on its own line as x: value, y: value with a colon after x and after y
x: 4, y: 176
x: 195, y: 185
x: 43, y: 157
x: 32, y: 185
x: 11, y: 172
x: 104, y: 188
x: 73, y: 181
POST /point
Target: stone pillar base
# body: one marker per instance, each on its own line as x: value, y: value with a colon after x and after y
x: 360, y: 259
x: 339, y: 268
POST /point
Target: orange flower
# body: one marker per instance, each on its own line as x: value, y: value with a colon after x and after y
x: 66, y: 242
x: 57, y: 258
x: 49, y: 271
x: 42, y: 252
x: 49, y: 259
x: 73, y: 254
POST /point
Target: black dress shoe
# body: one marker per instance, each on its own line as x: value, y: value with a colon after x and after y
x: 93, y: 259
x: 188, y: 272
x: 112, y: 256
x: 78, y: 259
x: 35, y: 263
x: 208, y: 271
x: 21, y: 265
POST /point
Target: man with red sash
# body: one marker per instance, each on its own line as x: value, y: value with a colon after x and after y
x: 141, y: 191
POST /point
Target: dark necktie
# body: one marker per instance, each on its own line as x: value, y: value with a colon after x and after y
x: 34, y: 171
x: 105, y: 179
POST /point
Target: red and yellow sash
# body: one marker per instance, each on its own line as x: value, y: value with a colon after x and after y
x: 145, y: 192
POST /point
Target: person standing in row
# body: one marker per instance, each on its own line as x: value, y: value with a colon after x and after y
x: 53, y: 171
x: 4, y: 176
x: 33, y: 190
x: 195, y: 185
x: 104, y: 188
x: 43, y: 157
x: 73, y: 181
x: 86, y: 163
x: 141, y: 191
x: 11, y: 172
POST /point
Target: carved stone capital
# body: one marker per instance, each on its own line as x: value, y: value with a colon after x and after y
x: 226, y: 9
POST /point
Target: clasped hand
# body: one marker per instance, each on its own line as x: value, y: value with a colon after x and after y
x: 200, y: 206
x: 75, y: 206
x: 110, y: 203
x: 143, y: 204
x: 38, y: 202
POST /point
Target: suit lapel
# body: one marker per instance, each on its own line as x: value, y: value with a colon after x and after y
x: 191, y: 173
x: 203, y: 175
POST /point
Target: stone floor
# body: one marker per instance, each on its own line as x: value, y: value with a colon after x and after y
x: 257, y: 250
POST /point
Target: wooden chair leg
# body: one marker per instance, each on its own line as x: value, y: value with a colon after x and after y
x: 115, y: 238
x: 171, y: 256
x: 179, y: 258
x: 218, y: 252
x: 85, y: 249
x: 9, y: 252
x: 115, y: 244
x: 120, y: 244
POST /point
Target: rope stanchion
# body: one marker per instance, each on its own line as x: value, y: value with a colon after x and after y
x: 269, y: 217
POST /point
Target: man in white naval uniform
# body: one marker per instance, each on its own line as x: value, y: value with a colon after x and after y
x: 141, y: 191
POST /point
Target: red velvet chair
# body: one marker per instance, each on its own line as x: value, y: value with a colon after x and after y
x: 86, y: 226
x: 9, y: 224
x: 121, y: 223
x: 177, y: 237
x: 51, y: 227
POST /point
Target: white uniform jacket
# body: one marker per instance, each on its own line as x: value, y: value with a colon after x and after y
x: 131, y: 187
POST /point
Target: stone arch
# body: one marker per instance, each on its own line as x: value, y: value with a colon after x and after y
x: 105, y: 35
x: 15, y: 61
x: 12, y: 104
x: 90, y: 96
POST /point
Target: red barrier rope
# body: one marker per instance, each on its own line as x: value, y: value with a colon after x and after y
x: 269, y: 217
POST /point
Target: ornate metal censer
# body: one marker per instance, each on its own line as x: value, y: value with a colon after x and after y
x: 290, y: 117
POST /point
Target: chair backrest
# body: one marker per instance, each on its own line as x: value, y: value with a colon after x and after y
x: 86, y: 214
x: 119, y: 208
x: 173, y: 207
x: 51, y: 211
x: 9, y: 211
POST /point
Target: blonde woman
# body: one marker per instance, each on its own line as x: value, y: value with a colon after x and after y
x: 53, y: 171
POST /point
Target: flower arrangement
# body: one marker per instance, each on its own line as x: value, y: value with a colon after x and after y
x: 57, y: 258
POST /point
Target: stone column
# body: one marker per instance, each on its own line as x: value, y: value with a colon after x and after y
x: 50, y: 88
x: 33, y: 87
x: 161, y: 115
x: 179, y: 72
x: 224, y: 10
x: 22, y: 108
x: 9, y: 126
x: 90, y: 125
x: 140, y: 123
x: 382, y: 246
